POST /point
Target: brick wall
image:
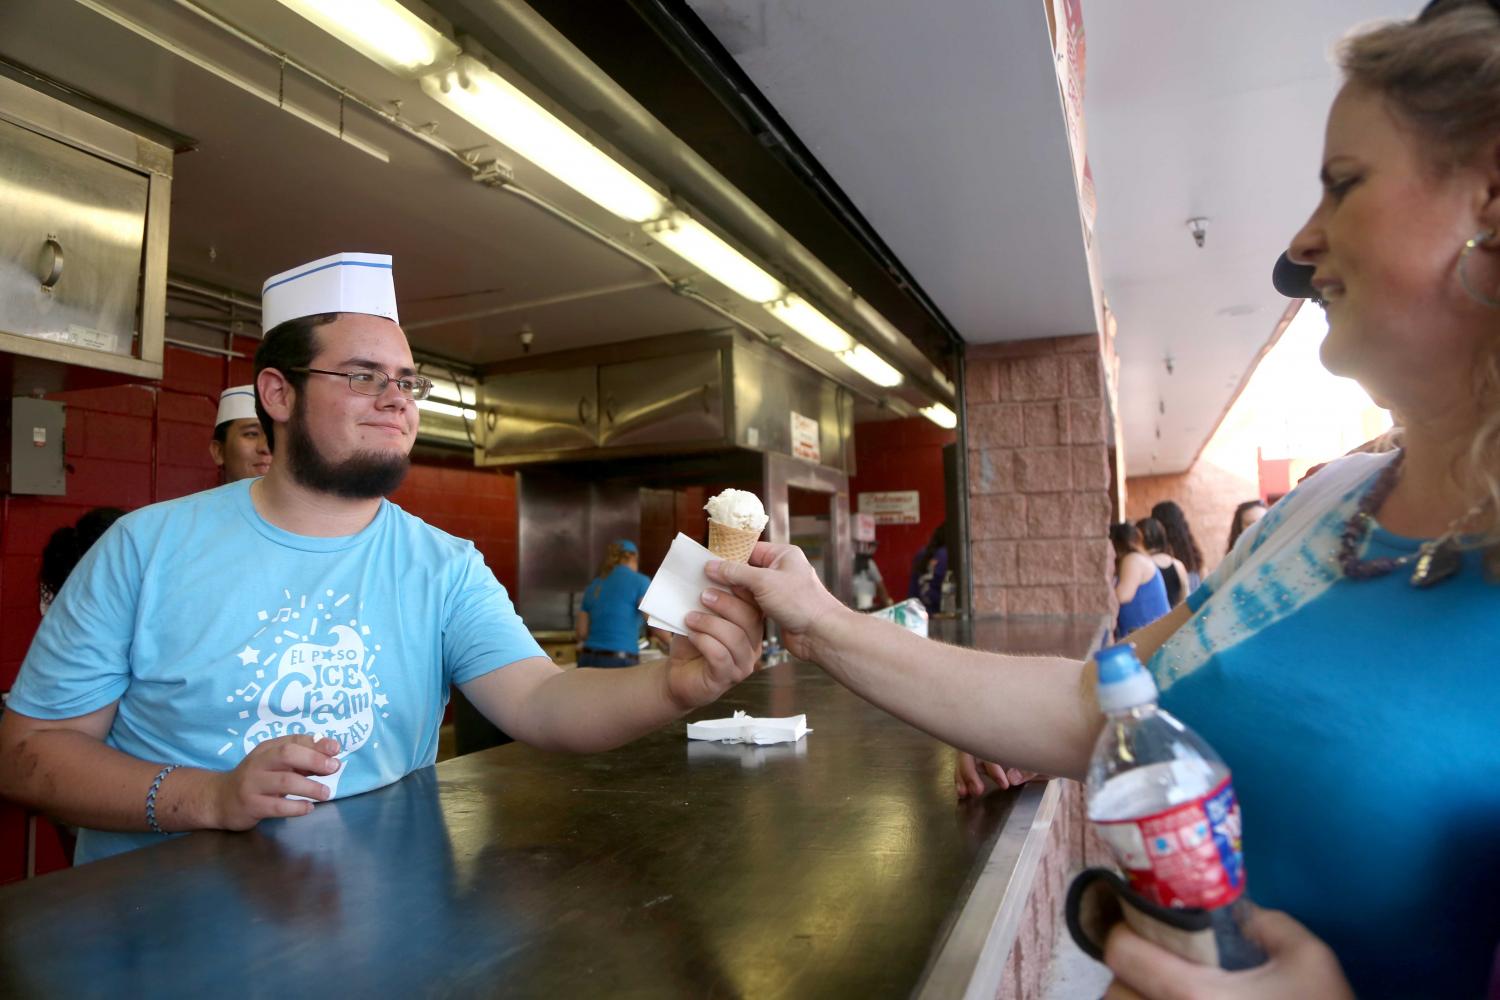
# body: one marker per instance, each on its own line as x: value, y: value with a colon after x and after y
x: 1039, y: 479
x: 901, y: 455
x: 449, y: 493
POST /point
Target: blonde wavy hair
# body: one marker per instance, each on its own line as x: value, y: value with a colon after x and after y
x: 1440, y: 73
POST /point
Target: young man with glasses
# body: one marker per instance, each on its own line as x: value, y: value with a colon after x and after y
x: 245, y: 652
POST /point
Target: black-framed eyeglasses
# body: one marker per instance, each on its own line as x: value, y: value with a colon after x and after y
x: 373, y: 383
x: 1437, y: 7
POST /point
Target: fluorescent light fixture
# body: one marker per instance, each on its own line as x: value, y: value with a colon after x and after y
x: 445, y: 388
x: 693, y: 242
x: 797, y: 313
x: 871, y: 365
x: 447, y: 409
x: 495, y: 106
x: 381, y: 30
x: 940, y: 415
x: 877, y: 322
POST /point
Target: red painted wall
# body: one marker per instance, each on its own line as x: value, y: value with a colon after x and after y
x: 901, y: 455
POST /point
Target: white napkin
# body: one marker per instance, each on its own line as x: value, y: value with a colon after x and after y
x: 742, y: 728
x: 677, y: 586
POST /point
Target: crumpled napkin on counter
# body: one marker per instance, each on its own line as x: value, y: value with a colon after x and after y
x: 677, y: 586
x: 742, y: 728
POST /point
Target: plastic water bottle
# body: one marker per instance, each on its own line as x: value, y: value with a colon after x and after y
x: 948, y: 595
x: 1163, y: 801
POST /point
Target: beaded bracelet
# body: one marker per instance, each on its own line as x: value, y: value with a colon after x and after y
x: 151, y: 798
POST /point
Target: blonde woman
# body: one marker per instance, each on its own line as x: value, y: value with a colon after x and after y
x: 1342, y: 657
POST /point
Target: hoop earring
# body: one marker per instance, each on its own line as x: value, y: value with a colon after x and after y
x: 1463, y: 272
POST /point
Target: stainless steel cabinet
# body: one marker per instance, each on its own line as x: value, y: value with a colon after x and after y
x: 70, y: 251
x: 83, y: 224
x: 662, y: 400
x: 536, y: 412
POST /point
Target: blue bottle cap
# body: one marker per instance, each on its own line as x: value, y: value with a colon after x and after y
x: 1117, y: 663
x: 1123, y: 681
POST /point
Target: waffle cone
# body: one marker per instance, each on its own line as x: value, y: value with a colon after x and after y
x: 731, y: 544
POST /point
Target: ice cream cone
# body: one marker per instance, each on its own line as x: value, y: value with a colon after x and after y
x: 731, y: 544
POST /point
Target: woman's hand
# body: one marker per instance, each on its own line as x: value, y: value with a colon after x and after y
x: 1299, y: 965
x: 782, y: 582
x: 969, y: 774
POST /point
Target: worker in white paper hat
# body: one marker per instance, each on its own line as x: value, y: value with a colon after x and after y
x: 249, y: 650
x: 239, y: 445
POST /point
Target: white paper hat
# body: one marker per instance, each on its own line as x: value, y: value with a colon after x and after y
x: 345, y: 282
x: 236, y: 403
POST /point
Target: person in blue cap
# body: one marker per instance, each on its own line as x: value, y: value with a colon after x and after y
x: 609, y: 624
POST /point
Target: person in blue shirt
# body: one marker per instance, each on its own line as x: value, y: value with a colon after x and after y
x: 609, y: 624
x: 1341, y: 659
x: 248, y: 651
x: 1138, y: 582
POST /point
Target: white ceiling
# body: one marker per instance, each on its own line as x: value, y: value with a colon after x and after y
x: 941, y: 122
x: 1202, y: 108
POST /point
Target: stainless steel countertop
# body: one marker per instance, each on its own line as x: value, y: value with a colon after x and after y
x: 840, y: 866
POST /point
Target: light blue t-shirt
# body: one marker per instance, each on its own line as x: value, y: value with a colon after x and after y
x: 1360, y: 720
x: 613, y: 606
x: 216, y: 630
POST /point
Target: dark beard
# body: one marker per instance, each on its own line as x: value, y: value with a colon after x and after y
x: 362, y: 476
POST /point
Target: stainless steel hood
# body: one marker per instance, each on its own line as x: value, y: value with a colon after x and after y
x: 675, y: 395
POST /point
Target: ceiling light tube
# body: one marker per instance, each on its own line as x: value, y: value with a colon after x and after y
x: 495, y: 106
x: 940, y: 415
x: 693, y: 242
x: 448, y: 409
x: 871, y: 365
x: 797, y: 313
x: 383, y: 31
x: 877, y: 322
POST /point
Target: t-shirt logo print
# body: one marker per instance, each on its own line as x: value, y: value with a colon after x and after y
x: 319, y: 684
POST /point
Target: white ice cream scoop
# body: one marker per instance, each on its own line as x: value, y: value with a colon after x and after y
x: 738, y: 509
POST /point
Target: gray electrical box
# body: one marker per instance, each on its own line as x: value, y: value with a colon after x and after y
x: 35, y: 460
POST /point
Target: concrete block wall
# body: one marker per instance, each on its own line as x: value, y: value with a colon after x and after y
x: 1039, y: 477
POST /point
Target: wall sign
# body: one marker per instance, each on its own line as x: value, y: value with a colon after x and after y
x: 892, y: 506
x: 805, y: 440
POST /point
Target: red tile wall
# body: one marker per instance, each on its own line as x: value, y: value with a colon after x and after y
x: 901, y: 455
x: 477, y: 504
